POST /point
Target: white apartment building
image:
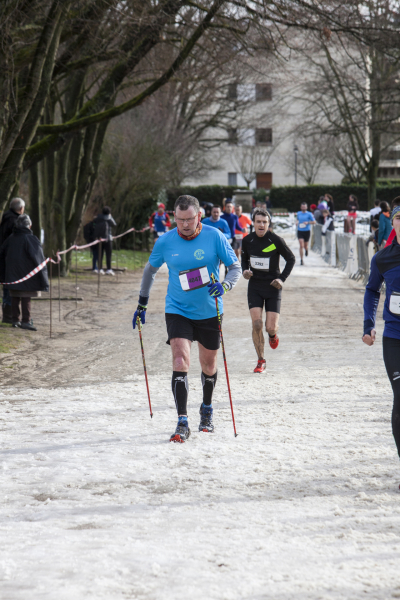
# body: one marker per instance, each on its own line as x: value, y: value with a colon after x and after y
x: 265, y: 146
x: 264, y: 142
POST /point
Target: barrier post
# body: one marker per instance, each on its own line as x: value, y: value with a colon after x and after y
x: 116, y: 250
x: 51, y: 277
x: 98, y: 268
x: 76, y: 279
x: 59, y: 291
x: 134, y: 246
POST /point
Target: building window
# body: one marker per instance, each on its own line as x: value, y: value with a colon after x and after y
x: 232, y: 179
x: 232, y: 91
x: 232, y: 136
x: 264, y: 136
x: 263, y: 91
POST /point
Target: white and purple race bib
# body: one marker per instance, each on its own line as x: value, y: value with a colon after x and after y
x: 194, y: 279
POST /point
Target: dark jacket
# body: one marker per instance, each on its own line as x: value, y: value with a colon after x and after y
x: 385, y: 227
x: 330, y: 227
x: 102, y: 227
x: 19, y: 255
x: 7, y: 225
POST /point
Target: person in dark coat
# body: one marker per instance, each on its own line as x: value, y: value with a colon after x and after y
x: 19, y: 255
x: 326, y: 221
x: 102, y: 225
x: 17, y: 207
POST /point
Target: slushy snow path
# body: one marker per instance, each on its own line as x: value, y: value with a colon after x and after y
x: 303, y: 504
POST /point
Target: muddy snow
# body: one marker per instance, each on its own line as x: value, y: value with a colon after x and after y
x: 96, y: 503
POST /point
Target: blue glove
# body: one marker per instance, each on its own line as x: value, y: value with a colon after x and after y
x: 141, y: 313
x: 216, y: 289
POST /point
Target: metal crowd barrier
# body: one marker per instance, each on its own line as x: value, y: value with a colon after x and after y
x: 346, y: 251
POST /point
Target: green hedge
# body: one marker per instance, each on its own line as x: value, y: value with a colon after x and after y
x: 204, y: 193
x: 292, y: 196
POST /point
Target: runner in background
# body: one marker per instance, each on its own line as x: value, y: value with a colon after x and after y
x: 304, y: 221
x: 215, y: 221
x: 159, y: 221
x: 385, y: 267
x: 261, y: 251
x: 229, y: 216
x: 245, y: 223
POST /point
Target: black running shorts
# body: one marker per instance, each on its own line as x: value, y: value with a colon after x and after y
x: 205, y: 331
x: 236, y: 244
x: 304, y: 235
x: 260, y: 293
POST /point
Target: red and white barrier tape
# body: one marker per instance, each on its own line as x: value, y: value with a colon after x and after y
x: 59, y: 252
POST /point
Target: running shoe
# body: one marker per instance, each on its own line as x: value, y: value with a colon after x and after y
x: 110, y: 272
x: 16, y: 323
x: 182, y: 431
x: 206, y: 416
x: 301, y: 261
x: 274, y: 342
x: 95, y: 270
x: 101, y: 272
x: 306, y: 252
x: 260, y: 366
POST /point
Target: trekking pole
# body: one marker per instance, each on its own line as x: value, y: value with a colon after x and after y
x: 223, y: 354
x: 139, y: 324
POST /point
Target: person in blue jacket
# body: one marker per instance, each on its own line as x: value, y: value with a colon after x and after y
x: 385, y: 267
x: 233, y: 220
x: 216, y: 221
x: 385, y: 224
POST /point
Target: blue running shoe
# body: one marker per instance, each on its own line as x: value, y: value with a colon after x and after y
x: 182, y: 431
x: 206, y: 416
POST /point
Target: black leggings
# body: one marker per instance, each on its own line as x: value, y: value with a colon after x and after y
x: 391, y: 357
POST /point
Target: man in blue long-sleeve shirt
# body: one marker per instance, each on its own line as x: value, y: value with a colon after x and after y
x: 232, y: 219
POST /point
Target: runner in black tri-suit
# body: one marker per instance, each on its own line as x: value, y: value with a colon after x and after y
x: 261, y: 251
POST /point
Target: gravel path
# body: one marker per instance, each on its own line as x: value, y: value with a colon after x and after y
x: 303, y: 504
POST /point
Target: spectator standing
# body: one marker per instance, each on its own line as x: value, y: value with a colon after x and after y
x: 326, y: 221
x: 19, y: 255
x: 215, y: 221
x: 17, y: 207
x: 350, y: 221
x: 374, y: 235
x: 102, y: 225
x: 331, y: 205
x: 385, y: 224
x: 374, y: 212
x: 395, y: 202
x: 232, y: 220
x: 159, y: 221
x: 245, y: 223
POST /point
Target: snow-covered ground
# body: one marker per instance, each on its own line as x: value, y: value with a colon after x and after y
x: 303, y: 504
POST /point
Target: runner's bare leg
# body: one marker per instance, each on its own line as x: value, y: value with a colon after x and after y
x: 272, y: 323
x: 301, y: 242
x: 257, y: 333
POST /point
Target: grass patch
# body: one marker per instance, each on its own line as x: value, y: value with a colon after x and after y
x: 8, y: 341
x: 128, y: 259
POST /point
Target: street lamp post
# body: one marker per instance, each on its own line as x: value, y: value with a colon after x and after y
x: 295, y: 163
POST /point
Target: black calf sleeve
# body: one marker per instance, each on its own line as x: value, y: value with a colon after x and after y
x: 208, y: 382
x: 180, y: 390
x: 391, y: 357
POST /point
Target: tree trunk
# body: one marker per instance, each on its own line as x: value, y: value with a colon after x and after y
x: 34, y: 200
